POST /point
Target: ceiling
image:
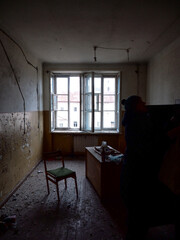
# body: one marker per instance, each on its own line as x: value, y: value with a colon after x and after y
x: 57, y: 31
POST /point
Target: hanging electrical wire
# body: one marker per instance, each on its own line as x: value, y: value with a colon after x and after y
x: 95, y: 54
x: 36, y: 68
x: 128, y: 49
x: 19, y: 48
x: 106, y: 48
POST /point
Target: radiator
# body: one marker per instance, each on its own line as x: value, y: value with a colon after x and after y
x: 80, y: 142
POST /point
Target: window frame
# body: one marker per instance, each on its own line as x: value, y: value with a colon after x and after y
x: 81, y: 128
x: 55, y: 76
x: 103, y: 76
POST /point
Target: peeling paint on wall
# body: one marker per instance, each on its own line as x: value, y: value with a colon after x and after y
x: 19, y: 152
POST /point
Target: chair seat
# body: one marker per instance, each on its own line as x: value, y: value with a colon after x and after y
x: 60, y: 172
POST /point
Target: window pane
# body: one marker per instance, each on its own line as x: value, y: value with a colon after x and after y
x: 54, y: 102
x: 109, y: 120
x: 88, y: 84
x: 52, y: 85
x: 74, y: 115
x: 62, y: 85
x: 74, y: 89
x: 109, y: 106
x: 97, y: 85
x: 62, y: 98
x: 109, y: 85
x: 97, y: 120
x: 97, y: 102
x: 62, y: 106
x: 100, y: 102
x: 62, y: 103
x: 88, y: 102
x: 109, y: 102
x: 62, y: 119
x: 88, y: 122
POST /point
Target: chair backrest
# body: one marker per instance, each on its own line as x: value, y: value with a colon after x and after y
x: 56, y: 155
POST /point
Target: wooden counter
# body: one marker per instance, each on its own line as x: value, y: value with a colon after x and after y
x: 104, y: 176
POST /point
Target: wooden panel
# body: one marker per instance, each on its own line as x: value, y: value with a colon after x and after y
x: 104, y: 176
x: 75, y: 143
x: 63, y: 142
x: 93, y: 171
x: 83, y: 141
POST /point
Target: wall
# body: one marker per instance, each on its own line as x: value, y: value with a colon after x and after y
x: 20, y: 138
x: 133, y: 81
x: 163, y: 84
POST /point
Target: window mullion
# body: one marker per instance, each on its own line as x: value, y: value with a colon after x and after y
x: 116, y: 97
x: 68, y: 102
x: 80, y: 107
x: 84, y: 84
x: 55, y: 111
x: 55, y: 117
x: 102, y: 109
x: 119, y: 94
x: 51, y: 101
x: 92, y: 102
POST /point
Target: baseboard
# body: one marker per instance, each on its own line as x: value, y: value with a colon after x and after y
x: 17, y: 186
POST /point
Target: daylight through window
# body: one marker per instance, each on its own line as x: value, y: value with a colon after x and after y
x: 85, y: 102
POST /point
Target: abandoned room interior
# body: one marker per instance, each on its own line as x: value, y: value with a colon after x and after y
x: 65, y: 67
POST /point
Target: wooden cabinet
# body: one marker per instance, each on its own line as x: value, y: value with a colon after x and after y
x: 104, y: 176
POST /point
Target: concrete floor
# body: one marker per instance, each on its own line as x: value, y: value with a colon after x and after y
x: 39, y: 216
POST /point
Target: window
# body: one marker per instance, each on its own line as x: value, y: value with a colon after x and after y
x: 65, y: 98
x: 85, y: 102
x: 75, y: 124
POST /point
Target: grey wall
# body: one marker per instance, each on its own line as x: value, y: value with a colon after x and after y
x: 163, y: 83
x: 20, y: 137
x: 29, y: 79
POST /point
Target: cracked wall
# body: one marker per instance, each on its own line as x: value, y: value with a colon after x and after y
x: 21, y: 123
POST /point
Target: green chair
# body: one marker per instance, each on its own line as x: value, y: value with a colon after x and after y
x: 58, y: 174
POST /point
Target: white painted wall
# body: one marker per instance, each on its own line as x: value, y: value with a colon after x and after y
x: 163, y: 82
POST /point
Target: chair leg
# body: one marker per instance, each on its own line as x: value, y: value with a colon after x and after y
x: 65, y: 181
x: 47, y: 184
x: 75, y: 179
x: 57, y: 188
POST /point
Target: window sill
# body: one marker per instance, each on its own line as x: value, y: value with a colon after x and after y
x: 84, y: 133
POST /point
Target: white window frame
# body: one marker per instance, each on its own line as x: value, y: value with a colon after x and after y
x: 102, y: 102
x: 82, y: 103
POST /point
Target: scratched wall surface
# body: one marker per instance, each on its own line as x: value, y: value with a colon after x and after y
x: 19, y: 151
x: 20, y: 137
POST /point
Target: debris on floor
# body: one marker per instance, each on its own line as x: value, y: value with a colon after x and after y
x: 32, y: 214
x: 8, y: 222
